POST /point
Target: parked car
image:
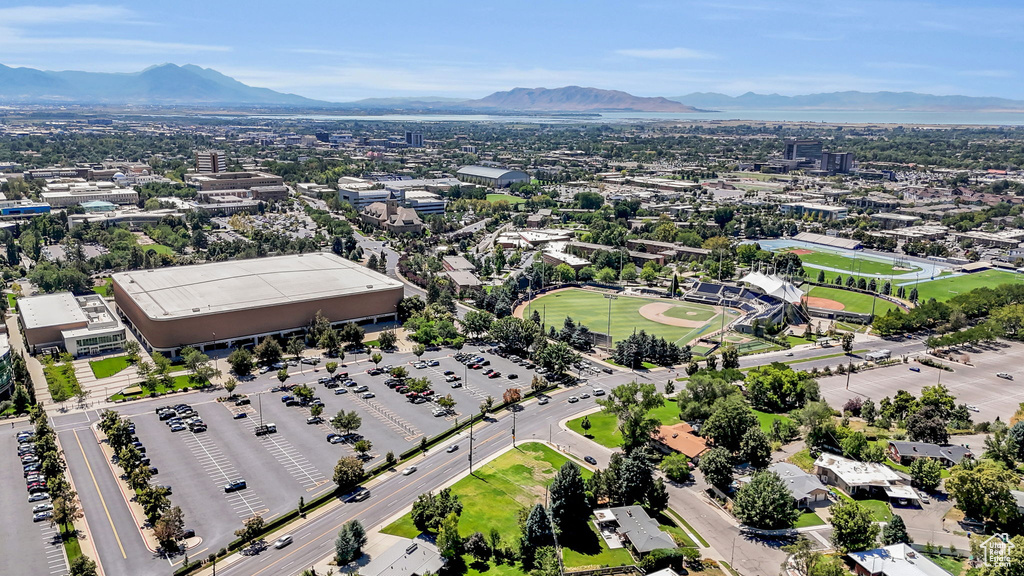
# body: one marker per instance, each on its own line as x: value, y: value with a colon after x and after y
x: 235, y: 485
x: 1005, y: 375
x: 362, y: 388
x: 177, y: 427
x: 42, y: 516
x: 314, y: 420
x: 38, y: 497
x: 240, y: 415
x: 340, y: 391
x: 494, y: 374
x: 513, y: 376
x: 590, y: 460
x: 243, y: 402
x: 335, y: 438
x: 368, y: 395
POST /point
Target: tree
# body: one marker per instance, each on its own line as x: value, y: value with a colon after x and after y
x: 755, y: 448
x: 852, y: 527
x: 512, y: 395
x: 429, y: 510
x: 779, y: 388
x: 348, y: 473
x: 515, y: 334
x: 766, y: 503
x: 895, y: 532
x: 449, y: 543
x: 418, y: 350
x: 716, y: 466
x: 282, y: 375
x: 362, y: 446
x: 982, y: 490
x: 295, y: 348
x: 585, y: 425
x: 21, y: 399
x: 331, y: 367
x: 241, y: 361
x: 66, y: 510
x: 731, y: 419
x: 387, y: 340
x: 568, y: 497
x: 676, y: 467
x: 730, y: 357
x: 154, y: 501
x: 537, y: 531
x: 376, y: 358
x: 170, y: 528
x: 631, y: 404
x: 268, y: 351
x: 656, y: 498
x: 926, y: 473
x: 251, y: 528
x: 927, y: 425
x: 329, y: 341
x: 229, y: 386
x: 348, y: 546
x: 82, y: 566
x: 477, y: 547
x: 347, y: 422
x: 352, y: 333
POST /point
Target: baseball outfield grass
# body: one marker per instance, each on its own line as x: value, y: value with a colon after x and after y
x: 853, y: 301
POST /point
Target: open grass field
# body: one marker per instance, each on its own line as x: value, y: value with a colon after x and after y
x: 603, y: 427
x: 506, y: 197
x: 948, y: 563
x: 945, y: 288
x: 852, y: 301
x: 158, y: 248
x: 591, y: 309
x: 108, y: 366
x: 491, y: 497
x: 765, y: 419
x: 860, y: 266
x: 61, y: 380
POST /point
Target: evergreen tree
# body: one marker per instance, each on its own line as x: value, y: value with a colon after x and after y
x: 537, y: 531
x: 568, y: 497
x: 895, y: 532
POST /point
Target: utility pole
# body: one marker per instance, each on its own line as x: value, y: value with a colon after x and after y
x: 471, y: 418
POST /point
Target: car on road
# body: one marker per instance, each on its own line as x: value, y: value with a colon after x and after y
x: 573, y: 399
x: 606, y: 370
x: 240, y: 415
x: 542, y: 401
x: 42, y: 516
x: 341, y: 391
x: 359, y: 495
x: 584, y: 396
x: 235, y: 485
x: 972, y: 408
x: 590, y: 460
x: 335, y: 438
x: 789, y: 353
x: 1004, y: 375
x: 452, y: 448
x: 598, y: 392
x: 283, y: 541
x: 915, y: 369
x: 368, y: 395
x: 408, y: 470
x: 42, y: 508
x: 38, y: 497
x: 314, y: 420
x: 925, y: 499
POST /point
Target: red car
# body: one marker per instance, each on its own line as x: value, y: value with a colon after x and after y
x: 411, y: 395
x: 428, y: 393
x: 494, y: 374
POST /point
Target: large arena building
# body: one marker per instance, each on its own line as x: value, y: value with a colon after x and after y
x: 235, y: 303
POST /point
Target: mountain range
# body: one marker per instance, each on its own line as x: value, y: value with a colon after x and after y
x: 851, y: 100
x: 190, y: 85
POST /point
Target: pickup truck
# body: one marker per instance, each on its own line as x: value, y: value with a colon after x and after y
x: 264, y: 429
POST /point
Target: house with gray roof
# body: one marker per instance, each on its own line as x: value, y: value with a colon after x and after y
x: 632, y: 525
x: 906, y: 452
x: 406, y: 557
x: 805, y: 488
x: 895, y: 560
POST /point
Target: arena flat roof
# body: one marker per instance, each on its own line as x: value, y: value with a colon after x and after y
x: 218, y: 287
x: 50, y: 310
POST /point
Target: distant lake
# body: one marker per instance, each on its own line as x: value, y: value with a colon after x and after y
x: 830, y: 116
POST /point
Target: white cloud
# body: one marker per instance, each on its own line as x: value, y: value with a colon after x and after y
x: 29, y: 15
x: 13, y: 43
x: 665, y: 53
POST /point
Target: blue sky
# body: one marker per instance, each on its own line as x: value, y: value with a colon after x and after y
x: 343, y: 50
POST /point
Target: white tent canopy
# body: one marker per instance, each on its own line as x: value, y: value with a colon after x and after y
x: 774, y: 286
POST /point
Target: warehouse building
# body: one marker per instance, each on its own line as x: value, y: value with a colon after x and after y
x: 81, y: 325
x: 236, y: 303
x: 491, y: 177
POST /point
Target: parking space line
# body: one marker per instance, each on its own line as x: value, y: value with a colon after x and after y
x: 103, y: 502
x: 239, y: 502
x: 300, y: 468
x: 390, y: 419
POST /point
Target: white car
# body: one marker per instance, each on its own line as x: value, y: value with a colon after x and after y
x: 283, y: 541
x: 573, y: 399
x: 42, y: 508
x: 973, y: 408
x: 408, y: 470
x: 368, y: 395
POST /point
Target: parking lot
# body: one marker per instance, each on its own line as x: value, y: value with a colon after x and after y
x: 34, y: 548
x: 975, y: 385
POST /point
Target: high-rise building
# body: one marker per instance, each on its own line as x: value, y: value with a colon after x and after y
x: 414, y: 139
x: 211, y: 162
x: 806, y: 149
x: 837, y: 162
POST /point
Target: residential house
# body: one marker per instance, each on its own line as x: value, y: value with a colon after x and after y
x: 895, y: 560
x: 632, y: 525
x: 906, y: 452
x: 862, y: 478
x: 680, y: 438
x: 805, y: 488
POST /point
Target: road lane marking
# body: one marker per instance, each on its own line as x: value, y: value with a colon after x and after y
x: 102, y: 501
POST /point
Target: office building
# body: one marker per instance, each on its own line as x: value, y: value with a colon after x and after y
x: 22, y: 208
x: 233, y: 180
x: 211, y: 162
x: 809, y: 150
x: 491, y: 177
x: 814, y: 211
x: 836, y: 162
x: 414, y: 139
x: 238, y: 302
x: 64, y: 194
x: 80, y: 325
x: 6, y: 368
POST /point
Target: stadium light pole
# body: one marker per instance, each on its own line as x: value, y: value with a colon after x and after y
x: 610, y: 297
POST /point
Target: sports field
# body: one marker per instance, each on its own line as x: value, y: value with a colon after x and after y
x: 506, y: 197
x: 859, y: 266
x: 673, y: 320
x: 945, y: 288
x: 822, y: 296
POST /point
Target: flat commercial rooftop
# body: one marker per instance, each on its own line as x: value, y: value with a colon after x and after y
x: 218, y: 287
x: 50, y: 310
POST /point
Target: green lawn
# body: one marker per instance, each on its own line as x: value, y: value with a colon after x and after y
x: 603, y: 427
x: 853, y: 301
x: 945, y: 288
x: 61, y: 380
x: 72, y: 547
x: 860, y: 266
x: 506, y: 197
x: 158, y: 248
x: 177, y: 383
x: 879, y: 509
x: 591, y: 309
x: 513, y: 481
x: 808, y: 519
x: 108, y: 366
x: 678, y: 534
x: 765, y: 419
x: 105, y: 289
x: 12, y: 302
x: 803, y: 460
x: 948, y: 563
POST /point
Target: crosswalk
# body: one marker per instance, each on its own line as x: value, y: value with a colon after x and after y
x: 245, y: 503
